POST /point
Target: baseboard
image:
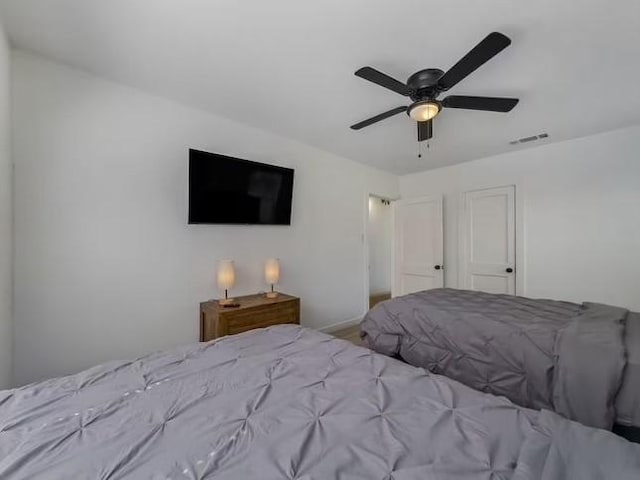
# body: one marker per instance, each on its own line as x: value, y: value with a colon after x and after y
x: 340, y: 325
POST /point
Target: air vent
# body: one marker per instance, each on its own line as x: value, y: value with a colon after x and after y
x: 533, y: 138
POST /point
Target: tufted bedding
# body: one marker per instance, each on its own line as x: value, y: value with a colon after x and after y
x: 541, y: 354
x: 288, y: 403
x: 628, y: 400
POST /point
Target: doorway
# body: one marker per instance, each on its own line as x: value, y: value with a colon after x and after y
x: 380, y: 249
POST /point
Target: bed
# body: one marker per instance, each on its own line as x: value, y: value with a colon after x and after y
x: 288, y: 403
x: 582, y: 361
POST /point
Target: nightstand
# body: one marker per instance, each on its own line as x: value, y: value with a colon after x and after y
x: 255, y: 311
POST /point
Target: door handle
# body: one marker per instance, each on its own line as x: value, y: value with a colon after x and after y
x: 438, y: 267
x: 509, y: 270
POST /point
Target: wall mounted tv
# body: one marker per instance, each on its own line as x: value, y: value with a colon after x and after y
x: 226, y: 190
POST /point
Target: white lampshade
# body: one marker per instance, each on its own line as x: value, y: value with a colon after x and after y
x: 226, y: 274
x: 272, y: 271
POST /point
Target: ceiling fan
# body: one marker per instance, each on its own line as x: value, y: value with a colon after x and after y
x: 425, y: 86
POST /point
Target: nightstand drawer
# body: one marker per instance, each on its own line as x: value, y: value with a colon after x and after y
x: 252, y: 326
x: 260, y: 317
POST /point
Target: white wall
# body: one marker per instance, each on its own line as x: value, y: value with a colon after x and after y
x: 6, y: 215
x: 105, y: 265
x: 379, y: 236
x: 578, y: 211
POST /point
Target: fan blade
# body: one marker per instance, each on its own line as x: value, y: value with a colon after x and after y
x: 377, y: 118
x: 383, y: 80
x: 425, y: 130
x: 491, y: 104
x: 488, y: 48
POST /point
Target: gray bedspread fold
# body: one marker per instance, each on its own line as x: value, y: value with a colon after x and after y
x: 591, y: 359
x: 542, y: 354
x: 628, y: 400
x: 562, y: 450
x: 284, y: 403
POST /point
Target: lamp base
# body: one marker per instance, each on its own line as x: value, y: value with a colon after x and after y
x: 228, y: 303
x: 272, y: 295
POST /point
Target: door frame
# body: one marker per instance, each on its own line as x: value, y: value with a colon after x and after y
x: 365, y: 243
x: 395, y: 282
x: 519, y: 250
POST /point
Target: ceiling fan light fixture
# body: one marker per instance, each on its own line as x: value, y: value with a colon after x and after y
x: 425, y: 86
x: 425, y: 110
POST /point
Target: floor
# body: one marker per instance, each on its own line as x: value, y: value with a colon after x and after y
x: 351, y: 334
x: 377, y: 298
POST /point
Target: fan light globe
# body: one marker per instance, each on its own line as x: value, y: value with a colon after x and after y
x: 424, y: 111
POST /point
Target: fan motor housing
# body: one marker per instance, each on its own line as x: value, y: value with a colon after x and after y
x: 424, y: 84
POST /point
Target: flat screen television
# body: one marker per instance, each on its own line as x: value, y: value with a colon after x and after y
x: 226, y: 190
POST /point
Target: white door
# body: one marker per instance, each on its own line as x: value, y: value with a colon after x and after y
x: 418, y: 245
x: 488, y: 241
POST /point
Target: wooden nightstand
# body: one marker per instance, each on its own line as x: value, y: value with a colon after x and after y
x: 255, y: 311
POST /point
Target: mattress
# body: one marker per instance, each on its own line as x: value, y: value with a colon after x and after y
x: 284, y: 403
x: 542, y: 354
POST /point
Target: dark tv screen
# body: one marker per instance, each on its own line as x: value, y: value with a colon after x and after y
x: 226, y: 190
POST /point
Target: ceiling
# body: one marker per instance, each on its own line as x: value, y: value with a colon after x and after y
x: 287, y: 65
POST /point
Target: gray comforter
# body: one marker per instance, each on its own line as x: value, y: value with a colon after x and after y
x: 288, y: 403
x: 542, y: 354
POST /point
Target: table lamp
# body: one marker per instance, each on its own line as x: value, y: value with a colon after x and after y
x: 226, y: 281
x: 272, y: 275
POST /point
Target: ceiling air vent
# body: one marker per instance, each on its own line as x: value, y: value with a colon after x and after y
x: 534, y: 138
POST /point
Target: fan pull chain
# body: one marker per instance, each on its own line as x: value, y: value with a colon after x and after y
x: 420, y: 148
